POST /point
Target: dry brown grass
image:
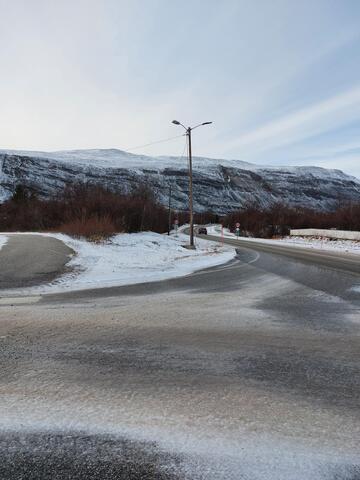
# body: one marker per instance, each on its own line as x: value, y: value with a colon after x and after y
x: 94, y: 229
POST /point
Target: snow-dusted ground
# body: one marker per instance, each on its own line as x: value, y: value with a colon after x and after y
x: 3, y: 240
x: 325, y: 244
x: 216, y: 231
x: 127, y: 259
x: 316, y: 243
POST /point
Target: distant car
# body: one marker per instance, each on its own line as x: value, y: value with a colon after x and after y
x: 202, y: 231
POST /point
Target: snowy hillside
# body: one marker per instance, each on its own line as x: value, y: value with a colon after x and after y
x: 114, y: 158
x: 219, y: 185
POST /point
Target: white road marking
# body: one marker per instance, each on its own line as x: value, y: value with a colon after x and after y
x: 230, y: 267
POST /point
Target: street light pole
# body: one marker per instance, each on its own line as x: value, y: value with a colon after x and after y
x: 190, y: 189
x: 191, y: 211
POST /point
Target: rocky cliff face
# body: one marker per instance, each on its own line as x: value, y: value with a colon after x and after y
x: 219, y: 185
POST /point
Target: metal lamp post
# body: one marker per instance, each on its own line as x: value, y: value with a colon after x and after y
x: 188, y: 134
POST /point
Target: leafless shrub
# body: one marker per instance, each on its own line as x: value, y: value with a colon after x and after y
x: 85, y: 210
x: 279, y: 219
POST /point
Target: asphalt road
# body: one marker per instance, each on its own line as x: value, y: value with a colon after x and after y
x: 250, y: 370
x: 341, y: 261
x: 28, y: 260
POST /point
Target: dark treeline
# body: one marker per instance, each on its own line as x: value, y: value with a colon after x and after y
x: 93, y: 211
x: 84, y: 210
x: 279, y: 219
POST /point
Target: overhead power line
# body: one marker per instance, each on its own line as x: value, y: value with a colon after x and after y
x: 154, y: 143
x: 183, y: 153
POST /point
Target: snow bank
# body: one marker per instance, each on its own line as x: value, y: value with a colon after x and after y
x: 344, y: 246
x: 3, y: 240
x: 216, y: 231
x: 324, y: 244
x: 333, y: 234
x: 133, y: 258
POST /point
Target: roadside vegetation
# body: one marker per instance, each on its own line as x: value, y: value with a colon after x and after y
x: 278, y: 220
x: 84, y: 211
x: 91, y: 211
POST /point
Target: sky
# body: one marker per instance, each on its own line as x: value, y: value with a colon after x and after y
x: 280, y: 79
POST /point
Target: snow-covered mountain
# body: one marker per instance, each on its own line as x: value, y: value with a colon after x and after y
x: 219, y: 185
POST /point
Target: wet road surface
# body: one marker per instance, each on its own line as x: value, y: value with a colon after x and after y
x: 28, y: 260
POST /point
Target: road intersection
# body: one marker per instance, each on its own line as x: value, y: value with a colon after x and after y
x: 247, y: 370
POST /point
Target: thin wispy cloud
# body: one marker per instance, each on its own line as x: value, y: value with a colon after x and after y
x: 304, y: 122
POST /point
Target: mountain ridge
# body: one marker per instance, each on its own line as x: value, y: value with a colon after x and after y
x: 219, y: 185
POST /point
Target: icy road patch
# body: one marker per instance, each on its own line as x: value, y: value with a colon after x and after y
x: 127, y: 259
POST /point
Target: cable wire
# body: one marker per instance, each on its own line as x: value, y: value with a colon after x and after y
x: 183, y: 152
x: 154, y: 143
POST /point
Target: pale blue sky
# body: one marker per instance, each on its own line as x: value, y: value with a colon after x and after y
x: 279, y: 78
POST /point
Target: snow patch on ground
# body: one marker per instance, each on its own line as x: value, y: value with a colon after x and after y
x: 127, y: 259
x: 324, y: 244
x: 3, y: 241
x: 216, y: 230
x: 343, y: 246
